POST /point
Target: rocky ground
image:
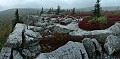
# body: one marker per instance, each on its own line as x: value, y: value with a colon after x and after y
x: 26, y: 42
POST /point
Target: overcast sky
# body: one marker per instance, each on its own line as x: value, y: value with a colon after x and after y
x: 8, y: 4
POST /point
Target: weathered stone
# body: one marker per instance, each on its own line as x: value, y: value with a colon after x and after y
x: 112, y: 44
x: 71, y: 50
x: 31, y: 52
x: 5, y: 53
x: 34, y: 28
x: 15, y: 38
x: 33, y: 34
x: 16, y: 55
x: 98, y: 46
x: 115, y: 28
x: 89, y: 46
x: 61, y: 30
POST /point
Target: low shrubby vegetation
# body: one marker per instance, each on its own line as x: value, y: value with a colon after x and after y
x: 102, y: 19
x: 5, y: 30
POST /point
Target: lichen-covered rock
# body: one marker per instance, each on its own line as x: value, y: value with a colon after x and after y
x: 31, y: 38
x: 5, y: 53
x: 31, y: 33
x: 89, y: 46
x: 92, y: 47
x: 112, y: 44
x: 16, y: 55
x: 15, y: 38
x: 115, y: 28
x: 61, y: 30
x: 34, y: 28
x: 31, y: 52
x: 71, y: 50
x: 98, y: 46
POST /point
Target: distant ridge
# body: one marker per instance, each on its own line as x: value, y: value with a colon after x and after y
x: 9, y: 14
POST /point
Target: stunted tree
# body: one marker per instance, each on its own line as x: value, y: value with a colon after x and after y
x: 73, y: 11
x: 58, y: 10
x: 16, y: 20
x: 49, y: 11
x: 17, y: 16
x: 97, y: 8
x: 41, y: 11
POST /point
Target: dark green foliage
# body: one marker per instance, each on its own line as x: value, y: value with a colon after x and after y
x: 58, y: 10
x: 42, y: 11
x: 73, y: 11
x: 5, y: 30
x: 97, y: 8
x: 49, y: 11
x: 17, y: 18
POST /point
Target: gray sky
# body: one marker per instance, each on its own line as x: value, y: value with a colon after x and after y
x: 8, y: 4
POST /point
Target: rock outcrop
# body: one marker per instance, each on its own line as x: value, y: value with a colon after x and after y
x: 22, y: 43
x: 16, y: 55
x: 5, y: 53
x: 71, y: 50
x: 112, y: 44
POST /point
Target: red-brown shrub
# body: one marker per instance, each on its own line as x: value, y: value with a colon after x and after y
x: 98, y: 26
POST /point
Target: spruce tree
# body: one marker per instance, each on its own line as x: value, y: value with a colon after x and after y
x: 97, y: 8
x: 58, y: 10
x: 73, y: 11
x: 17, y: 18
x: 49, y: 11
x: 41, y: 11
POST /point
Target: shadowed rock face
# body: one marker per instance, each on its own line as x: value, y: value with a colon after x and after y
x: 92, y: 47
x: 16, y: 55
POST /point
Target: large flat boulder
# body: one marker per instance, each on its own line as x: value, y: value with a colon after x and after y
x: 15, y: 38
x: 71, y: 50
x: 112, y: 44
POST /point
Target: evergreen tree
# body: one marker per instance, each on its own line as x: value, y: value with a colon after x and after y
x: 17, y: 16
x: 73, y: 11
x: 58, y: 10
x: 97, y: 8
x: 49, y: 11
x: 41, y: 11
x: 17, y: 20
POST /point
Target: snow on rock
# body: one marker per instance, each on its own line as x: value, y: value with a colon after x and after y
x: 16, y: 55
x: 71, y: 50
x: 15, y: 38
x: 112, y: 44
x: 5, y: 53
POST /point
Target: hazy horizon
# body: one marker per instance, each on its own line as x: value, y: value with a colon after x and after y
x: 65, y: 4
